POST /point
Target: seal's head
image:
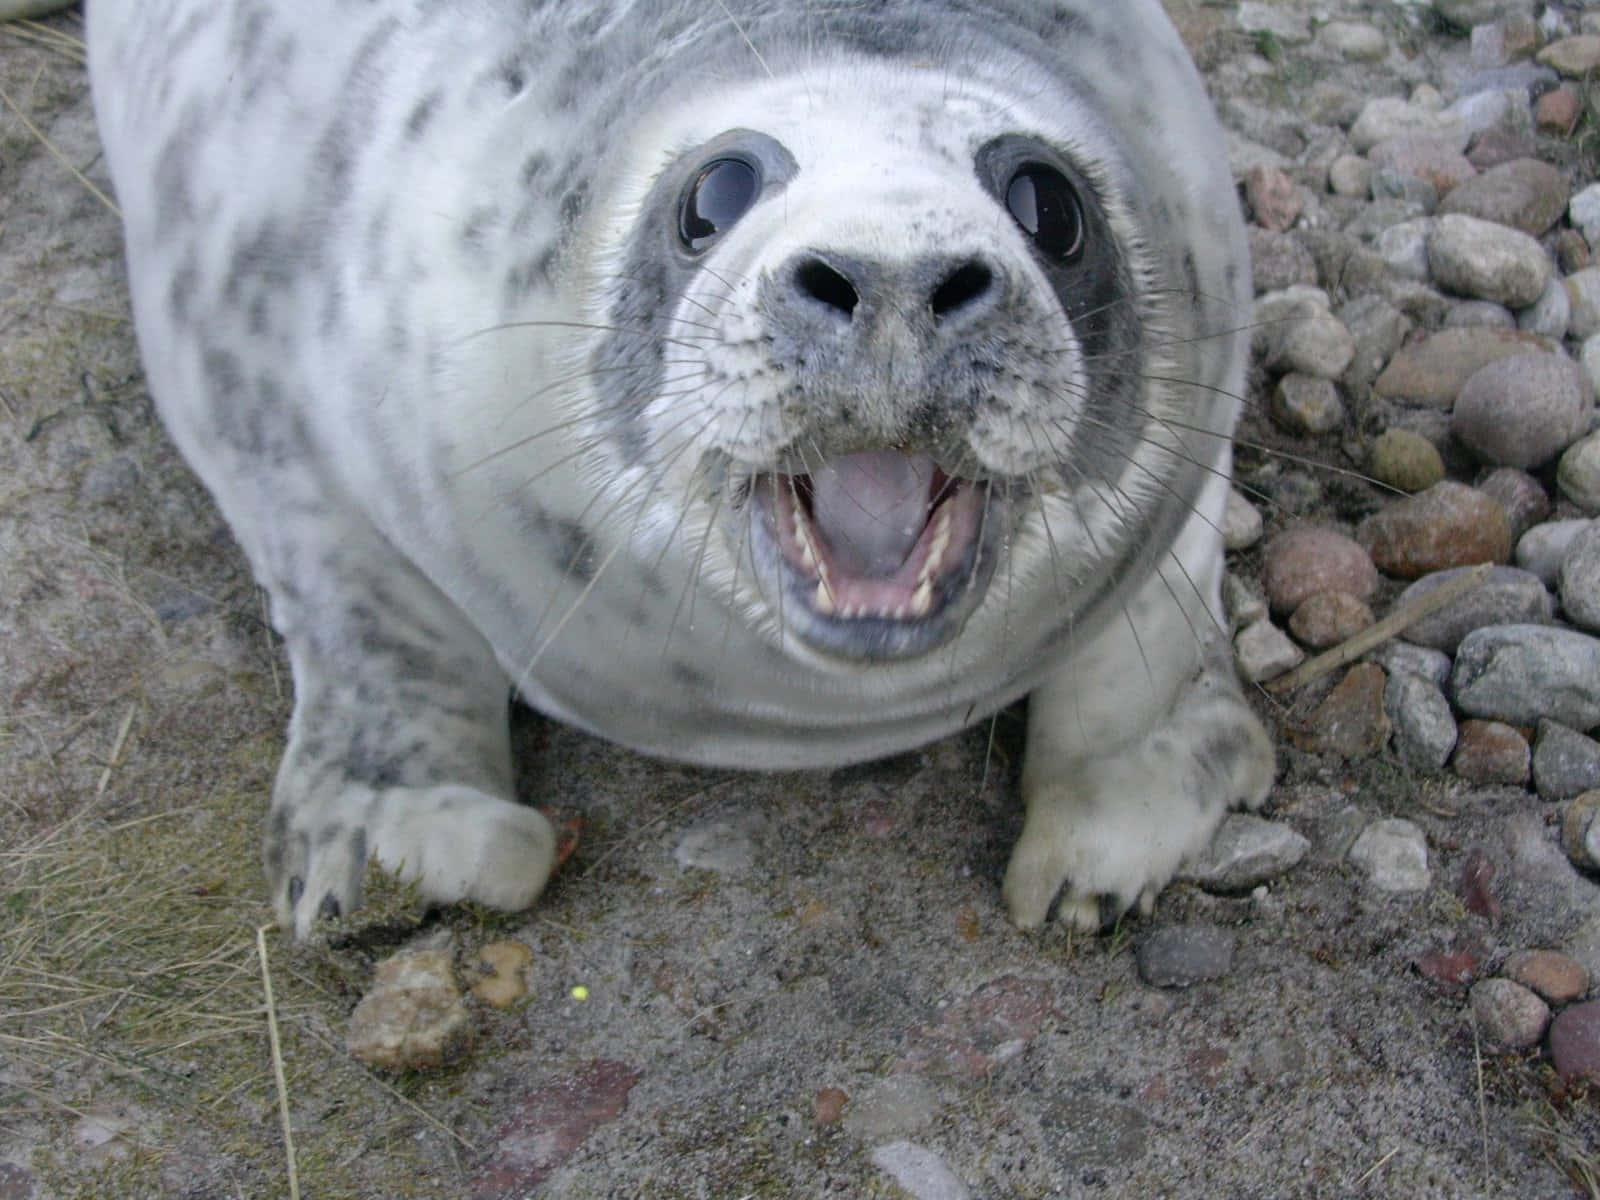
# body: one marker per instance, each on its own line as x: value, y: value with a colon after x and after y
x: 899, y: 331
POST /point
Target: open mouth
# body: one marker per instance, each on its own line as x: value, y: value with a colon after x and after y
x: 879, y: 536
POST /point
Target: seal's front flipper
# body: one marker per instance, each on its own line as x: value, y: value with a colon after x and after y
x: 1129, y: 771
x: 398, y: 749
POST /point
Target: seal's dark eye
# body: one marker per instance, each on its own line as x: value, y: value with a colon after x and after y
x: 721, y: 194
x: 1043, y: 201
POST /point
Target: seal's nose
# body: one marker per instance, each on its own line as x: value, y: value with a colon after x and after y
x: 942, y: 289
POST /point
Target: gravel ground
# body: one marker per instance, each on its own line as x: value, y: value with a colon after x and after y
x: 804, y: 984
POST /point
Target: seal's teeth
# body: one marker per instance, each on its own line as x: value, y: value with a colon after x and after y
x: 937, y: 545
x: 823, y: 600
x: 922, y: 599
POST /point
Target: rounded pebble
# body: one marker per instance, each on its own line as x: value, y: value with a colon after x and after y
x: 1432, y: 372
x: 1247, y: 850
x: 723, y: 845
x: 1509, y: 596
x: 1525, y: 194
x: 1519, y: 494
x: 1575, y: 1042
x: 1583, y: 300
x: 1523, y: 673
x: 1400, y: 657
x: 1389, y: 117
x: 1550, y: 314
x: 1556, y: 978
x: 1578, y: 476
x: 1354, y: 40
x: 1579, y: 578
x: 1543, y: 548
x: 503, y: 983
x: 1523, y: 410
x: 1437, y: 161
x: 1263, y: 651
x: 1303, y: 561
x: 1405, y: 460
x: 1179, y: 956
x: 1575, y: 57
x: 1509, y: 1016
x: 1448, y: 525
x: 1393, y: 854
x: 1304, y: 404
x: 1580, y: 830
x: 1473, y: 257
x: 1565, y: 762
x: 1241, y: 522
x: 1424, y: 727
x: 1490, y: 752
x: 1325, y: 619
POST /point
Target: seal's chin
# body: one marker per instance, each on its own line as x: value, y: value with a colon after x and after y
x: 878, y: 555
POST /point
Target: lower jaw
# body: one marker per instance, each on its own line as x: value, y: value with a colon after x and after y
x: 792, y: 597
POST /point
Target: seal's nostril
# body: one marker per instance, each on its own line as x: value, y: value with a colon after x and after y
x: 961, y: 287
x: 819, y: 281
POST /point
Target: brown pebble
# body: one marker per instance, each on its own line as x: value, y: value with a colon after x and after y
x: 505, y: 984
x: 1491, y: 752
x: 1451, y: 970
x: 1307, y: 560
x: 1575, y: 1042
x: 1273, y: 197
x: 1558, y: 110
x: 1327, y: 618
x: 1350, y: 722
x: 1449, y: 525
x: 828, y: 1107
x: 1559, y: 979
x: 413, y: 1018
x: 1580, y: 830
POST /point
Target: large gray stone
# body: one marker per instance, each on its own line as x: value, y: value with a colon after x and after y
x: 1522, y: 674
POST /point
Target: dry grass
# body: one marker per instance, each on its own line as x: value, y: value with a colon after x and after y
x: 136, y: 1012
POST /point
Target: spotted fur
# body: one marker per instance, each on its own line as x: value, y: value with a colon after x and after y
x: 415, y: 299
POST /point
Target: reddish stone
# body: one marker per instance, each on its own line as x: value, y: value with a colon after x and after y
x: 1491, y: 752
x: 1452, y: 970
x: 1557, y: 111
x: 1557, y: 978
x: 552, y: 1123
x: 1351, y: 722
x: 1449, y: 525
x: 967, y: 1034
x: 1476, y: 874
x: 1575, y: 1042
x: 828, y: 1106
x: 1329, y: 618
x: 1273, y: 197
x: 1307, y: 560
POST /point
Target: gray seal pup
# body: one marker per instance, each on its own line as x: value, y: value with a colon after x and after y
x: 752, y: 382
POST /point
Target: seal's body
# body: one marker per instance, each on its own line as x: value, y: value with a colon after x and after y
x: 751, y: 383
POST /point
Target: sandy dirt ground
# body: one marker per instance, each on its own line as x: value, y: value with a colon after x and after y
x: 833, y: 1003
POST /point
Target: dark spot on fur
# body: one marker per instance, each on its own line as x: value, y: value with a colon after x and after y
x: 422, y: 115
x: 574, y: 550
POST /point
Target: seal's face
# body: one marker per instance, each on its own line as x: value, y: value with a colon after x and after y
x: 882, y: 349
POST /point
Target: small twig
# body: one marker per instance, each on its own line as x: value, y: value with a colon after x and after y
x: 116, y: 751
x: 38, y: 133
x: 1483, y: 1110
x: 1375, y: 1167
x: 277, y: 1062
x: 1397, y: 621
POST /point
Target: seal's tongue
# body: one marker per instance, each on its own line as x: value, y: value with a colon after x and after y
x: 871, y: 508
